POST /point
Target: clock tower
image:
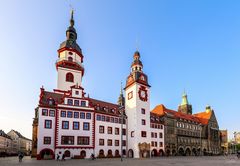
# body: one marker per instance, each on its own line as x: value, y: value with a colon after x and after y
x: 137, y: 107
x: 70, y: 58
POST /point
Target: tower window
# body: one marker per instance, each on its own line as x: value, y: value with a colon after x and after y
x: 69, y: 77
x: 70, y: 59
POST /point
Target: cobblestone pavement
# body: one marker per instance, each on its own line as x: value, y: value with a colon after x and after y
x: 164, y: 161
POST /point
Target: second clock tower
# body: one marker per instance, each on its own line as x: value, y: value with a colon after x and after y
x: 137, y: 106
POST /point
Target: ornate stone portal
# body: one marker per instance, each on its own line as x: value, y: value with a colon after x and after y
x: 144, y: 150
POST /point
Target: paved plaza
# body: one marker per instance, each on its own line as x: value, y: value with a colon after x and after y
x: 164, y: 161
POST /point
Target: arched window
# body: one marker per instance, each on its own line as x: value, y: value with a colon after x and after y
x: 70, y: 59
x: 69, y: 77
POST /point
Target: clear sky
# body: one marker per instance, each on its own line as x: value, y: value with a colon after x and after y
x: 184, y: 44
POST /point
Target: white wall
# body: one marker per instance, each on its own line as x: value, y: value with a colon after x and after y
x: 42, y: 132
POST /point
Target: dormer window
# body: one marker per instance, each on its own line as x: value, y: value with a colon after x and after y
x: 83, y: 103
x: 51, y: 101
x: 76, y: 92
x: 70, y: 102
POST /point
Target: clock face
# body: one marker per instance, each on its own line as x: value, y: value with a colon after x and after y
x: 143, y: 93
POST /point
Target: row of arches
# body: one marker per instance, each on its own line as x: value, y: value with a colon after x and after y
x: 49, y: 154
x: 187, y: 151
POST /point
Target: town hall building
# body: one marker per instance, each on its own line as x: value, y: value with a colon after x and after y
x: 69, y: 122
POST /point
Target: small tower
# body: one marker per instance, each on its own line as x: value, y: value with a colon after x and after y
x: 69, y: 64
x: 121, y: 98
x: 137, y: 108
x: 185, y: 107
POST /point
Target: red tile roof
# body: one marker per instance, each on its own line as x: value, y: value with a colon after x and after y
x: 202, y: 117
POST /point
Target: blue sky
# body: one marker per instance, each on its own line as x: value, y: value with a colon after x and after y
x: 191, y: 45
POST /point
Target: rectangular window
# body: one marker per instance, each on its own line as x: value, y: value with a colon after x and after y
x: 65, y: 125
x: 44, y: 112
x: 116, y: 120
x: 88, y: 115
x: 116, y: 142
x: 82, y: 115
x: 143, y: 111
x: 83, y: 140
x: 75, y: 125
x: 76, y: 102
x: 107, y: 119
x: 76, y: 114
x: 48, y: 124
x: 52, y: 113
x: 152, y: 144
x: 116, y: 131
x: 155, y: 144
x: 83, y: 103
x: 111, y: 119
x: 109, y: 130
x: 99, y: 117
x: 101, y: 129
x: 144, y: 134
x: 143, y: 122
x: 86, y: 126
x: 76, y: 92
x: 67, y: 140
x: 47, y: 140
x: 155, y: 135
x: 109, y: 142
x: 152, y: 134
x: 160, y: 135
x: 70, y: 102
x: 69, y: 114
x: 124, y: 142
x: 160, y: 144
x: 123, y: 131
x: 101, y: 142
x: 63, y: 113
x: 103, y: 118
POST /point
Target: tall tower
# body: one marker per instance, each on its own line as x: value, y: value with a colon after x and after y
x: 185, y: 107
x: 137, y: 108
x: 69, y: 64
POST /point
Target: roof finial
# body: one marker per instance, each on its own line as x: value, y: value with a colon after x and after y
x: 121, y: 91
x: 137, y: 44
x: 72, y: 20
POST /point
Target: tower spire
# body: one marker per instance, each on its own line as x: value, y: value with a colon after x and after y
x: 72, y: 20
x: 185, y: 107
x: 121, y: 99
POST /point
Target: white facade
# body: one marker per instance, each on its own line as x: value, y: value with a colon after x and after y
x: 77, y: 126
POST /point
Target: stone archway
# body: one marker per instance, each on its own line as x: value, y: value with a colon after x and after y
x: 47, y: 154
x: 181, y: 151
x: 168, y: 152
x: 67, y: 153
x: 101, y: 153
x: 194, y: 152
x: 144, y: 150
x: 109, y: 153
x: 130, y: 153
x: 161, y: 152
x: 83, y: 154
x: 188, y: 152
x: 117, y: 154
x: 154, y: 153
x: 174, y: 153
